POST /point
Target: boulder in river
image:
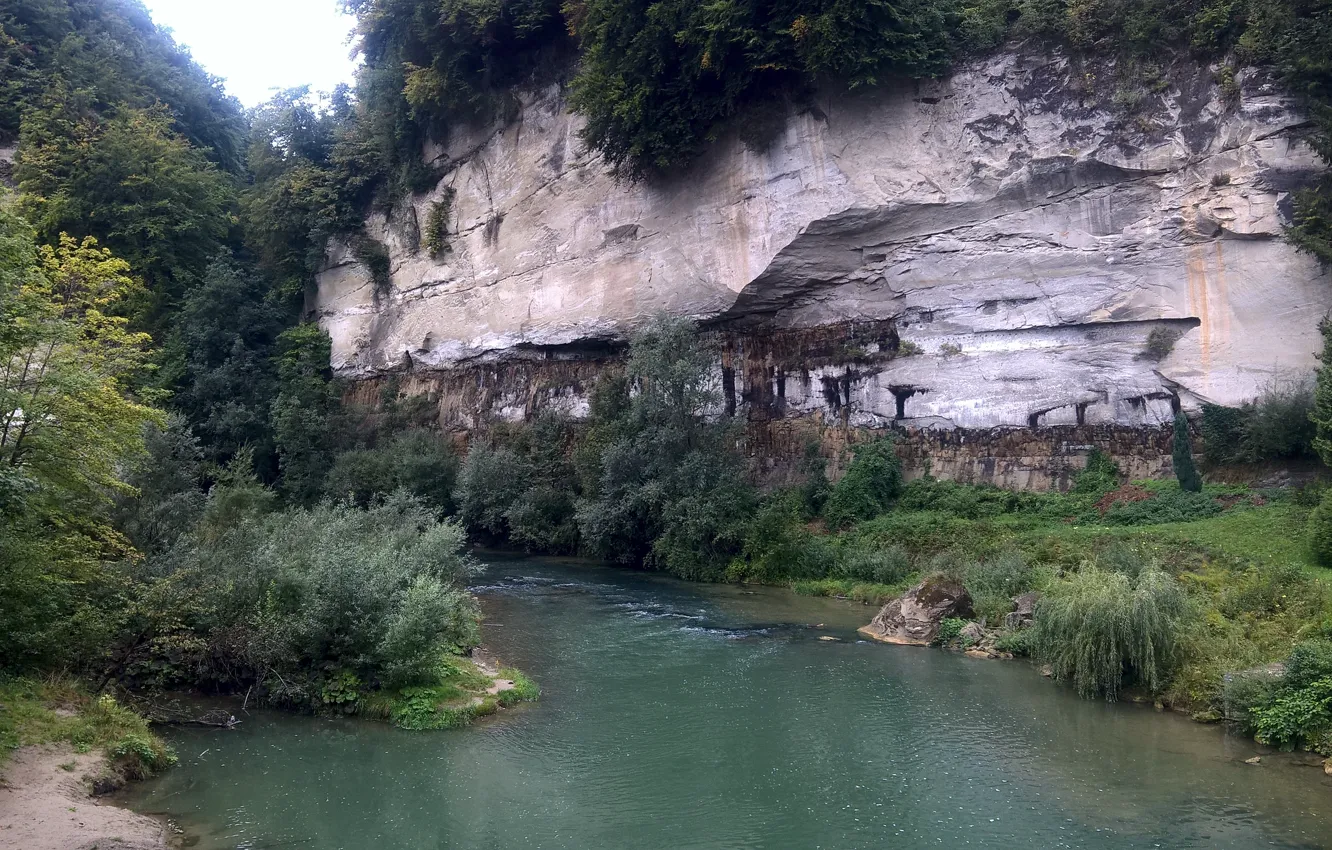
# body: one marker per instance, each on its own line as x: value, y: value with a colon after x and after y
x: 914, y: 617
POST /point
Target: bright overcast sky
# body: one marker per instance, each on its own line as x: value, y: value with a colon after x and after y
x: 260, y: 45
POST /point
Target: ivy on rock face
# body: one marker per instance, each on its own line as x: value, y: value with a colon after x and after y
x: 659, y: 80
x: 432, y: 64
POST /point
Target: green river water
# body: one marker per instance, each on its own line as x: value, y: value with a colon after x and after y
x: 681, y: 716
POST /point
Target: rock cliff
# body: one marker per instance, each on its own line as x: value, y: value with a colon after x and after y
x: 1015, y: 245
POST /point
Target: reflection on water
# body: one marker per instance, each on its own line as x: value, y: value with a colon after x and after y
x: 692, y: 716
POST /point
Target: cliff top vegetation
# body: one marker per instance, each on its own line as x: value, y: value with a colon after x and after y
x: 660, y: 80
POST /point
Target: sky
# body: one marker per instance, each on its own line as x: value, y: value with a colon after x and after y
x: 260, y: 45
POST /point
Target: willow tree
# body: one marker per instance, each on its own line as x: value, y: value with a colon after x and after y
x: 1101, y: 628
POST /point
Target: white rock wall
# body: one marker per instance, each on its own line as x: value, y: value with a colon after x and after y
x: 1025, y: 239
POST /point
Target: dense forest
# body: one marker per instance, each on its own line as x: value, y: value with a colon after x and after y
x: 185, y: 502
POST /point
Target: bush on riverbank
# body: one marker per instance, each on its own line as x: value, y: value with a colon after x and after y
x: 1298, y: 710
x: 459, y: 694
x: 1101, y: 628
x: 871, y: 483
x: 304, y: 605
x: 60, y: 710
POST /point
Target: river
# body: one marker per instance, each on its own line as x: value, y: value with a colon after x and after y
x: 679, y: 715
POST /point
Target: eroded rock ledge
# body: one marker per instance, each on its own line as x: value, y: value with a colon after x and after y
x: 991, y: 250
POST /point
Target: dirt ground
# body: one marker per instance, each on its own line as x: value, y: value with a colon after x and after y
x: 45, y: 805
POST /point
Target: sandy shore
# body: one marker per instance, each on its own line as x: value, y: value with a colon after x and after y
x: 45, y: 804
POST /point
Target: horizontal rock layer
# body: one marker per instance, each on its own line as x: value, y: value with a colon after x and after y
x: 998, y: 248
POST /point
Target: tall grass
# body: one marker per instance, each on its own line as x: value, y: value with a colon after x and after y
x: 1102, y: 629
x: 29, y: 716
x: 994, y: 582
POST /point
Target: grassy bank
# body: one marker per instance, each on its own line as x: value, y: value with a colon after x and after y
x: 1182, y: 598
x: 60, y: 711
x: 463, y: 693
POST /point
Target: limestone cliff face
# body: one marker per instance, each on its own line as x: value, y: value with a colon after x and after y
x: 995, y: 248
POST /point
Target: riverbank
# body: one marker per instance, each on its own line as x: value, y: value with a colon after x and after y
x: 60, y: 749
x: 47, y: 803
x: 1210, y: 604
x: 466, y: 689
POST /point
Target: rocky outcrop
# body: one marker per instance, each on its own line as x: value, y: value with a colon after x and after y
x: 914, y: 617
x: 1001, y: 248
x: 1024, y: 611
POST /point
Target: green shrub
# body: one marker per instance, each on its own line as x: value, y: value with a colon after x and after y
x: 929, y: 533
x: 1264, y: 589
x: 1242, y: 694
x: 949, y: 630
x: 417, y: 461
x: 306, y: 602
x: 544, y: 519
x: 490, y: 483
x: 1121, y: 558
x: 523, y: 690
x: 1309, y: 661
x: 704, y: 528
x: 374, y: 255
x: 1293, y: 710
x: 168, y: 498
x: 869, y: 486
x: 858, y: 561
x: 994, y: 582
x: 1018, y: 642
x: 1279, y: 425
x: 1311, y: 225
x: 1161, y: 341
x: 1309, y: 494
x: 1320, y: 530
x: 813, y: 493
x: 1101, y: 628
x: 437, y: 223
x: 1223, y: 433
x: 1295, y: 715
x: 1099, y: 475
x: 1164, y: 506
x: 1274, y: 426
x: 1181, y: 457
x: 663, y: 484
x: 778, y: 547
x: 1322, y: 409
x: 961, y: 500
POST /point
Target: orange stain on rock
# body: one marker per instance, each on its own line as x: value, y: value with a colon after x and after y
x: 1196, y: 269
x: 1223, y: 297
